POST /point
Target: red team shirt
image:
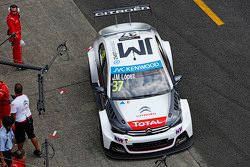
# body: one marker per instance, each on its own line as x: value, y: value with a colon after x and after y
x: 14, y: 24
x: 18, y: 162
x: 4, y: 100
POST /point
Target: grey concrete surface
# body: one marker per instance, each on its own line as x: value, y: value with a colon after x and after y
x: 45, y: 24
x: 214, y: 62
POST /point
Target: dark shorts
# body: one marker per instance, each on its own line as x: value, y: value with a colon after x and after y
x: 8, y: 157
x: 24, y: 127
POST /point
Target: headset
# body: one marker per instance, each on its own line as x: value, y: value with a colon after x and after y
x: 14, y: 6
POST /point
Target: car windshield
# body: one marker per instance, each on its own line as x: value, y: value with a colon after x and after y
x: 139, y: 84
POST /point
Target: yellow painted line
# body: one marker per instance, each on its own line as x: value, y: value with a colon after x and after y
x: 209, y: 12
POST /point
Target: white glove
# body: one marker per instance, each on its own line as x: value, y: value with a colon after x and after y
x: 22, y: 43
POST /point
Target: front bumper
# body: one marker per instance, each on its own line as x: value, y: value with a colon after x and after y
x: 115, y: 155
x: 175, y: 139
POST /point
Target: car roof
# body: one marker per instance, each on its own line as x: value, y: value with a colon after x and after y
x: 130, y: 44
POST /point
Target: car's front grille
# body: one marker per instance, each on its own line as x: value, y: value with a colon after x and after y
x: 148, y: 131
x: 153, y: 145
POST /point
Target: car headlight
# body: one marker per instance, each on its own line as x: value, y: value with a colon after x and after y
x: 174, y: 118
x: 116, y: 129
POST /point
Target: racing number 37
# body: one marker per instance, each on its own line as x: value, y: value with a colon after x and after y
x: 117, y: 86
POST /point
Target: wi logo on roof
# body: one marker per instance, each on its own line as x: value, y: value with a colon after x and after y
x: 145, y: 109
x: 141, y: 51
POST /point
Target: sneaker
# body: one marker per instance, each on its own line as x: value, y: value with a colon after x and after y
x: 37, y: 153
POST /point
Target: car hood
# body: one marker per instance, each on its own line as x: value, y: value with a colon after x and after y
x: 140, y: 114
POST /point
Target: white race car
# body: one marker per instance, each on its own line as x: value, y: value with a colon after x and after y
x: 141, y: 113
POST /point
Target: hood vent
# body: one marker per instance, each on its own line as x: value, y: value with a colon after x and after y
x: 110, y: 111
x: 176, y: 101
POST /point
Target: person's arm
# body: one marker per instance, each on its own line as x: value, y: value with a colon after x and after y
x: 11, y: 25
x: 2, y: 94
x: 2, y: 160
x: 12, y: 28
x: 13, y: 109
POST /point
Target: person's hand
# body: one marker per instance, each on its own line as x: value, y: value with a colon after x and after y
x: 22, y: 43
x: 13, y: 96
x: 4, y: 164
x: 13, y: 35
x: 13, y: 127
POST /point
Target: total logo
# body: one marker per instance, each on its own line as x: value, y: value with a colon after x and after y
x: 147, y: 123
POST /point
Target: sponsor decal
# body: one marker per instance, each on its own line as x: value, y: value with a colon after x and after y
x: 114, y: 52
x: 121, y: 10
x: 118, y: 139
x: 122, y: 102
x: 177, y: 131
x: 117, y: 61
x: 145, y: 109
x: 147, y: 123
x: 128, y: 140
x: 123, y: 77
x: 140, y: 51
x: 136, y: 68
x: 129, y: 36
x: 146, y: 115
x: 148, y: 131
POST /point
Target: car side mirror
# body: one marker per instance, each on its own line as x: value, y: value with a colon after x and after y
x: 177, y: 79
x: 99, y: 90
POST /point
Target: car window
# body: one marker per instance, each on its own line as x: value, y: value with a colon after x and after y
x: 105, y: 72
x: 150, y: 80
x: 102, y: 54
x: 102, y: 64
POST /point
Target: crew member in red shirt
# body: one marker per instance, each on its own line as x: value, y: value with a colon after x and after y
x: 14, y: 25
x: 19, y: 159
x: 4, y: 101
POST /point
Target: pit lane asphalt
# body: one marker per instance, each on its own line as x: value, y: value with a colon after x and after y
x: 214, y: 62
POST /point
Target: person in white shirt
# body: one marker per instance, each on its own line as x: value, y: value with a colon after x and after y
x: 23, y: 120
x: 6, y: 144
